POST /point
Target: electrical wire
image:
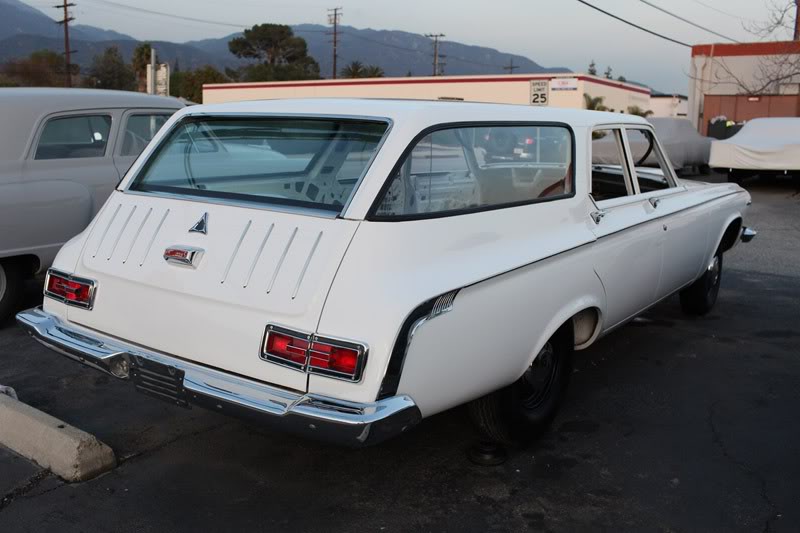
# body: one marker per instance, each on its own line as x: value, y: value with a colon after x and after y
x: 629, y: 23
x: 726, y: 13
x: 671, y: 14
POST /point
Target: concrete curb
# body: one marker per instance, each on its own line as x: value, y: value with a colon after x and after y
x: 68, y: 452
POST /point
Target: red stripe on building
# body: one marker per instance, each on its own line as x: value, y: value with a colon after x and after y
x: 415, y: 81
x: 747, y: 49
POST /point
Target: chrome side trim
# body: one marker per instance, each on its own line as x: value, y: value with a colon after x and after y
x: 305, y: 266
x: 105, y: 231
x: 258, y: 255
x: 190, y: 259
x: 153, y: 238
x: 311, y: 415
x: 280, y: 261
x: 236, y: 251
x: 136, y: 236
x: 121, y: 232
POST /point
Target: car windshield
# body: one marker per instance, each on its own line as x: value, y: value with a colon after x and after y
x: 293, y: 161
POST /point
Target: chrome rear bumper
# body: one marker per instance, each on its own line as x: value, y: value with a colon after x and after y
x: 748, y: 234
x: 320, y: 417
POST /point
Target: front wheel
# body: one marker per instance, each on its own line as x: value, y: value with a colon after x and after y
x: 699, y: 298
x: 523, y: 410
x: 10, y: 288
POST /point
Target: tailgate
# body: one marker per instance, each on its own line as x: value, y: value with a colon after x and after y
x: 257, y: 267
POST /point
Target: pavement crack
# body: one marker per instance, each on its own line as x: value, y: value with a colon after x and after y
x: 743, y: 466
x: 123, y: 460
x: 23, y: 489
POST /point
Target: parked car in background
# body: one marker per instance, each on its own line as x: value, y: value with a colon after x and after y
x: 344, y: 268
x: 686, y: 148
x: 764, y: 146
x: 62, y: 153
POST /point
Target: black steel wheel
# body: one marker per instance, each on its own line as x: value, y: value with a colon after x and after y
x: 699, y: 298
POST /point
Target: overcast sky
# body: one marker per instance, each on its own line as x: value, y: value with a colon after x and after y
x: 550, y: 32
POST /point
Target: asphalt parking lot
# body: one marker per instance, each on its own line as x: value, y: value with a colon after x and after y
x: 670, y: 424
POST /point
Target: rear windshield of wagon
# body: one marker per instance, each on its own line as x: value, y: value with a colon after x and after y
x: 305, y: 162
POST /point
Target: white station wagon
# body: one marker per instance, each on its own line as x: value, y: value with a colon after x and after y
x: 345, y: 268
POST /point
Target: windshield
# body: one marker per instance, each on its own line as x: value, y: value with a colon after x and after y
x: 292, y: 161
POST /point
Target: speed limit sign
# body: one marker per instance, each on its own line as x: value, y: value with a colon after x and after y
x: 540, y: 92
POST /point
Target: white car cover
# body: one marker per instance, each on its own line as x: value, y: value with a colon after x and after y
x: 683, y: 145
x: 762, y: 144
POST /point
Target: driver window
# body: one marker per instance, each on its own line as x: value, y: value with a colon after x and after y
x: 652, y: 172
x: 608, y: 165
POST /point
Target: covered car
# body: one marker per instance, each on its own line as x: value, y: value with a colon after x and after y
x: 762, y: 145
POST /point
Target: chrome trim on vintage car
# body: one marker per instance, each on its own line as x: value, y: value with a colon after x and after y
x: 90, y: 282
x: 201, y: 226
x: 748, y: 234
x: 181, y: 255
x: 321, y: 417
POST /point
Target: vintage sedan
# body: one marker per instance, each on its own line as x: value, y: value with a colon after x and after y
x: 63, y: 152
x: 344, y: 268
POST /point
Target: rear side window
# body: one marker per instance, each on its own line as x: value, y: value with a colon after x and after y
x: 455, y: 170
x: 608, y: 165
x: 74, y: 137
x: 304, y: 162
x: 650, y: 165
x: 140, y: 130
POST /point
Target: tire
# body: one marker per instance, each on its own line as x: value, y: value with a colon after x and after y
x: 699, y: 298
x: 10, y: 288
x: 522, y: 411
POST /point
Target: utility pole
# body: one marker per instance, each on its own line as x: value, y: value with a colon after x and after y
x: 797, y: 21
x: 437, y: 71
x: 333, y: 19
x: 511, y: 66
x: 67, y: 52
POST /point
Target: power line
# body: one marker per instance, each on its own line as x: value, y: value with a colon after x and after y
x: 651, y: 32
x: 67, y: 52
x: 511, y: 66
x: 333, y: 18
x: 671, y: 14
x: 737, y: 17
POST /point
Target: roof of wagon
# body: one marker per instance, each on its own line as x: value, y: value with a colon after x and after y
x: 424, y: 112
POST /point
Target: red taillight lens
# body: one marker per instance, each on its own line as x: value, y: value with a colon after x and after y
x: 286, y: 347
x: 71, y: 290
x: 317, y: 355
x: 335, y: 358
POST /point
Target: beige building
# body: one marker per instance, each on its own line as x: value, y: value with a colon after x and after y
x: 669, y: 105
x: 744, y: 81
x: 556, y: 90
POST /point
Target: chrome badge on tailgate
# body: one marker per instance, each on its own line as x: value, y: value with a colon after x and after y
x: 188, y: 256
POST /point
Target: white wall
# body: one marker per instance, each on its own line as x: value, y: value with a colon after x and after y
x: 669, y: 106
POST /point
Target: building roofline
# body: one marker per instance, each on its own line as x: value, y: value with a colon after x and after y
x: 746, y: 49
x: 429, y: 80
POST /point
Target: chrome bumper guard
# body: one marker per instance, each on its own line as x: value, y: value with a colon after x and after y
x: 337, y: 421
x: 748, y: 234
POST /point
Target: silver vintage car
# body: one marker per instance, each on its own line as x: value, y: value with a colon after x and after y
x: 62, y: 152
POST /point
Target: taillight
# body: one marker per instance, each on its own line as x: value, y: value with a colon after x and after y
x: 69, y: 289
x: 317, y: 355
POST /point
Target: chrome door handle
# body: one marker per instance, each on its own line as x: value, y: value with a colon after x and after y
x: 654, y: 202
x: 597, y: 216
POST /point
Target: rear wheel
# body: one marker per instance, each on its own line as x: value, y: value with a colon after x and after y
x: 699, y: 298
x: 523, y: 410
x: 10, y: 288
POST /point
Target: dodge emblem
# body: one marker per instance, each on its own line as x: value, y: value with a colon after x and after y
x: 201, y: 226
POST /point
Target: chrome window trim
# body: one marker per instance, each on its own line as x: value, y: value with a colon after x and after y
x: 70, y: 277
x: 321, y: 212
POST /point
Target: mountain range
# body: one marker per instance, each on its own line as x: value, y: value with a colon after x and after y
x: 25, y: 29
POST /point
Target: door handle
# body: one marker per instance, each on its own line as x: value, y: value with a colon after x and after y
x: 598, y: 215
x: 654, y: 202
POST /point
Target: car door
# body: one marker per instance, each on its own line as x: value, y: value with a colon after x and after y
x: 68, y: 173
x: 629, y: 249
x: 138, y: 127
x: 685, y: 234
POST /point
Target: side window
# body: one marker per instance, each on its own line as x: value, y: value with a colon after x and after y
x: 608, y: 165
x: 139, y: 130
x: 651, y: 169
x: 470, y: 168
x: 74, y: 137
